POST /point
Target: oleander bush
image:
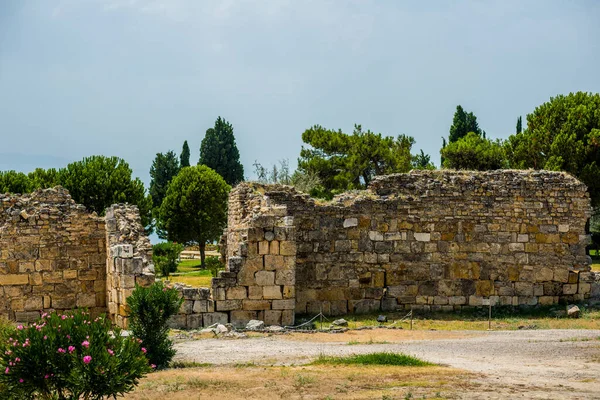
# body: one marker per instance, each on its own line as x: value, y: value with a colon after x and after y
x: 70, y: 356
x: 150, y: 309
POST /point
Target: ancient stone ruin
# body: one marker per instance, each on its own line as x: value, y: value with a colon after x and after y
x: 431, y: 240
x: 54, y: 255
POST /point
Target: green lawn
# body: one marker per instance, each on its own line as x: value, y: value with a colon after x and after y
x: 189, y: 272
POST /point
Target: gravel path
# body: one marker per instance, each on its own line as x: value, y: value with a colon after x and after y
x: 544, y: 364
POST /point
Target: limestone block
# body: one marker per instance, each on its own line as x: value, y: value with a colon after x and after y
x: 523, y: 289
x: 144, y: 280
x: 570, y: 289
x: 484, y: 288
x: 186, y: 307
x: 350, y: 222
x: 573, y: 277
x: 209, y: 319
x: 255, y: 292
x: 475, y: 300
x: 203, y: 306
x: 27, y: 316
x: 273, y: 262
x: 264, y: 278
x: 375, y: 235
x: 287, y: 317
x: 389, y: 304
x: 35, y: 278
x: 86, y: 300
x: 239, y: 319
x: 440, y: 300
x: 44, y: 265
x: 286, y: 277
x: 228, y: 305
x: 516, y: 247
x: 523, y: 238
x: 63, y: 302
x: 33, y: 303
x: 546, y: 300
x: 178, y: 321
x: 287, y: 248
x: 544, y: 274
x: 457, y: 300
x: 14, y: 279
x: 236, y: 293
x: 263, y: 247
x: 584, y: 288
x: 272, y: 292
x: 89, y: 275
x: 194, y: 321
x: 364, y: 306
x: 255, y: 305
x: 289, y: 292
x: 272, y: 317
x: 561, y: 275
x: 219, y: 293
x: 26, y: 266
x: 246, y: 276
x: 284, y: 304
x: 274, y: 247
x: 422, y: 237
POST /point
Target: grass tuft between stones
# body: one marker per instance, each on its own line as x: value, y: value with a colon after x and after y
x: 383, y: 358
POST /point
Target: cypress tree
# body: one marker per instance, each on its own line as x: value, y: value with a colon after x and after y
x: 219, y: 152
x: 184, y: 158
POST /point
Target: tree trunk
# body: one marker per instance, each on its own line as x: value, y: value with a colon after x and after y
x: 202, y: 247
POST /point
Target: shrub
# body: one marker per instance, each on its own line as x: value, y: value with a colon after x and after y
x: 150, y: 309
x: 70, y: 356
x: 165, y: 256
x: 214, y: 265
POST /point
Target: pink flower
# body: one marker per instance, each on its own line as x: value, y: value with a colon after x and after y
x: 85, y: 344
x: 152, y: 366
x: 87, y: 359
x: 112, y: 353
x: 7, y: 370
x: 144, y: 350
x: 45, y: 337
x: 46, y: 376
x: 17, y: 359
x: 21, y: 380
x: 71, y: 349
x: 63, y: 317
x: 20, y: 327
x: 61, y: 350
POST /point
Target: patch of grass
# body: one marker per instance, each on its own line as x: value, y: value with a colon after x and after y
x: 384, y: 358
x: 370, y: 341
x: 189, y: 364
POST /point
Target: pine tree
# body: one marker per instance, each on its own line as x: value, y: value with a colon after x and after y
x: 219, y: 152
x: 184, y: 158
x: 164, y: 168
x: 462, y: 124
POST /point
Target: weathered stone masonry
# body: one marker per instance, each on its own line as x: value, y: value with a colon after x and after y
x: 427, y: 239
x: 53, y: 256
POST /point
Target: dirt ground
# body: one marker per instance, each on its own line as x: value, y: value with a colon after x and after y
x: 532, y: 364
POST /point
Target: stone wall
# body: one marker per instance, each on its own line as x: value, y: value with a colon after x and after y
x: 129, y: 258
x: 52, y: 255
x: 427, y: 239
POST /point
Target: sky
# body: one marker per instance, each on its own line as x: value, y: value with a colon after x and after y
x: 132, y: 78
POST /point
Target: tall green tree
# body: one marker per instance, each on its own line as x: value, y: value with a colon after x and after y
x: 422, y: 161
x: 463, y: 123
x: 562, y: 134
x: 219, y: 152
x: 98, y: 182
x: 343, y: 162
x: 164, y: 168
x: 519, y: 125
x: 473, y: 152
x: 194, y: 210
x: 184, y: 158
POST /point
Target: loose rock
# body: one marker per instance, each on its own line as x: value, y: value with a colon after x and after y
x: 340, y: 322
x: 255, y: 325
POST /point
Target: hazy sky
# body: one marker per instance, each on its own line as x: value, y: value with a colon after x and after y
x: 137, y: 77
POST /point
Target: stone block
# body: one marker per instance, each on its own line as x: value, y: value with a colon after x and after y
x: 287, y: 317
x: 203, y: 306
x: 14, y: 279
x: 544, y: 274
x: 178, y: 321
x: 522, y: 238
x: 570, y: 289
x: 236, y: 293
x: 186, y: 307
x: 194, y: 321
x: 264, y: 278
x: 523, y: 289
x: 255, y: 305
x: 228, y: 305
x: 86, y: 300
x: 389, y: 304
x: 209, y: 319
x: 289, y: 292
x: 422, y: 237
x: 272, y: 317
x: 27, y: 316
x: 287, y: 248
x: 272, y: 292
x: 484, y: 288
x: 35, y: 278
x: 274, y: 247
x: 240, y: 318
x: 350, y: 222
x: 263, y: 247
x: 457, y: 300
x: 364, y: 306
x: 285, y: 277
x: 34, y: 303
x: 284, y: 304
x: 255, y: 292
